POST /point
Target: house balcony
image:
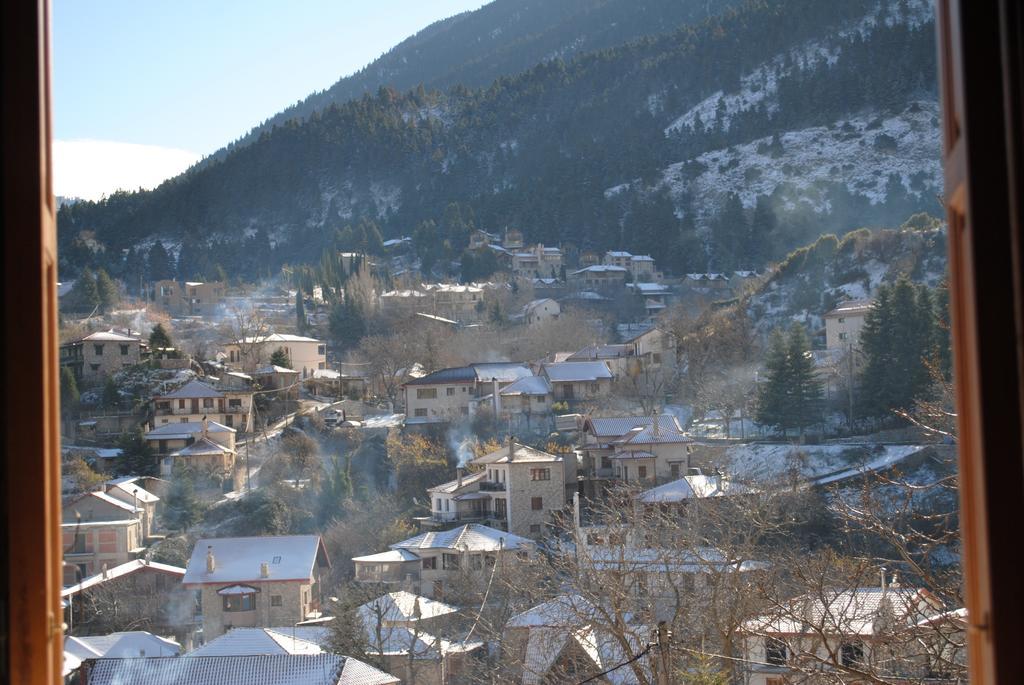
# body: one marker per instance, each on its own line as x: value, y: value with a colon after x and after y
x: 388, y: 577
x: 460, y: 516
x: 491, y: 486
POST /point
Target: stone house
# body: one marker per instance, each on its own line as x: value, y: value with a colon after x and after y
x: 443, y: 557
x: 645, y: 449
x: 518, y: 489
x: 191, y: 298
x: 97, y: 531
x: 99, y: 355
x: 537, y: 261
x: 196, y: 400
x: 257, y: 581
x: 574, y: 381
x: 448, y: 394
x: 599, y: 276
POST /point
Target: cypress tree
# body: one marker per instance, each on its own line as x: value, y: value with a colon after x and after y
x: 159, y: 337
x: 773, y: 403
x: 804, y: 386
x: 106, y: 291
x: 300, y: 311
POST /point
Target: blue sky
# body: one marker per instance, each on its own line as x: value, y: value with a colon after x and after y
x: 142, y: 88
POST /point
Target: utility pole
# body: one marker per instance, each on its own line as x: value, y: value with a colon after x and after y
x: 663, y: 660
x: 849, y: 381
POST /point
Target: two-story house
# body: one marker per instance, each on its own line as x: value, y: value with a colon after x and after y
x: 864, y: 628
x: 538, y: 312
x: 537, y: 260
x: 573, y: 381
x: 195, y: 400
x: 844, y: 323
x: 101, y: 354
x: 97, y: 531
x: 442, y: 557
x: 518, y: 489
x: 599, y: 276
x: 205, y: 446
x: 448, y: 394
x: 191, y: 298
x: 305, y: 355
x: 647, y: 449
x: 257, y: 581
x: 130, y: 490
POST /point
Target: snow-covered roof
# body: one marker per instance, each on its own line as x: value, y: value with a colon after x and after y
x: 617, y: 426
x: 563, y: 372
x: 172, y: 431
x: 137, y: 492
x: 647, y: 435
x: 281, y: 337
x: 453, y: 485
x: 271, y: 369
x: 288, y: 557
x: 460, y: 374
x: 601, y: 268
x: 846, y: 611
x: 663, y: 559
x: 403, y: 294
x: 202, y: 446
x: 266, y: 669
x: 402, y: 607
x: 251, y: 641
x: 110, y: 336
x: 391, y: 556
x: 530, y: 385
x: 135, y: 643
x: 120, y: 570
x: 562, y: 611
x: 192, y: 389
x: 850, y: 308
x: 520, y: 453
x: 691, y: 487
x: 104, y: 497
x: 592, y: 352
x: 327, y: 374
x: 504, y: 372
x: 646, y: 288
x: 472, y: 537
x: 403, y: 641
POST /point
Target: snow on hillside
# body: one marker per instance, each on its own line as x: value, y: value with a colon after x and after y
x: 764, y: 463
x: 760, y: 85
x: 861, y: 153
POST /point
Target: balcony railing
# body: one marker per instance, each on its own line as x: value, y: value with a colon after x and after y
x: 455, y: 516
x: 491, y: 486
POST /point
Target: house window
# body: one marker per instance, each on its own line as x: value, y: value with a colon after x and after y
x: 94, y: 367
x: 775, y: 651
x: 246, y: 602
x: 535, y: 528
x: 476, y: 562
x: 641, y: 471
x: 594, y: 387
x: 673, y: 470
x: 540, y: 474
x: 165, y: 406
x: 437, y: 504
x: 449, y: 391
x: 842, y: 319
x: 321, y: 349
x: 181, y: 404
x: 426, y: 393
x: 421, y: 411
x: 450, y: 562
x: 464, y: 389
x: 275, y: 600
x: 124, y: 349
x: 843, y: 336
x: 207, y: 403
x: 537, y: 503
x: 851, y: 654
x: 98, y: 349
x: 430, y: 563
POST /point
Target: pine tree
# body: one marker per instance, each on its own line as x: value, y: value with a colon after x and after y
x: 280, y: 358
x: 804, y: 387
x: 183, y: 508
x: 773, y: 400
x: 111, y: 395
x: 106, y: 291
x: 137, y: 457
x: 68, y: 389
x: 300, y: 311
x: 84, y: 295
x: 159, y: 338
x: 159, y: 263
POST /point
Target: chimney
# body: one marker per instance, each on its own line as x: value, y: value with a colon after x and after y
x: 104, y: 571
x: 264, y: 569
x: 211, y: 563
x: 511, y: 448
x: 496, y: 396
x: 458, y: 471
x: 883, y: 580
x: 657, y: 425
x: 895, y: 579
x: 206, y: 427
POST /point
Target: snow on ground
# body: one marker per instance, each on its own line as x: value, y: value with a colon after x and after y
x: 853, y: 153
x: 820, y: 464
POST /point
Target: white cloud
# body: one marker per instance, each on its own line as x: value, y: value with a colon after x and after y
x: 90, y: 169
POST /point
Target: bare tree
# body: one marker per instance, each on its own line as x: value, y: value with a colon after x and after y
x: 247, y: 329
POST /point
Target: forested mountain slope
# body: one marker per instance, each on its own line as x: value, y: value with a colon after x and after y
x: 720, y: 145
